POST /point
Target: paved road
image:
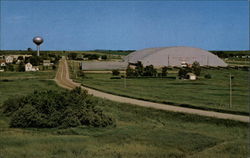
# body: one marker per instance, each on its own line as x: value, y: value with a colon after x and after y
x: 63, y: 80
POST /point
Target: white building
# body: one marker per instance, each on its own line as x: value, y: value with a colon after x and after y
x: 9, y: 59
x: 29, y: 67
x: 191, y: 76
x: 47, y: 63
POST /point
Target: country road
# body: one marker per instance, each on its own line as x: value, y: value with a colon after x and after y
x: 63, y: 80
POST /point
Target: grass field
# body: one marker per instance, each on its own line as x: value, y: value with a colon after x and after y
x: 21, y: 83
x: 140, y: 132
x: 208, y: 93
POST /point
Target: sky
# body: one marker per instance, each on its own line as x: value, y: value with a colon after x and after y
x: 124, y: 25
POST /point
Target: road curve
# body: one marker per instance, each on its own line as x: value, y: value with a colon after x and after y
x: 62, y: 79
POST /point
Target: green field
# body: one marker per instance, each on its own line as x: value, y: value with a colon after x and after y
x: 140, y: 132
x: 20, y: 83
x: 207, y: 93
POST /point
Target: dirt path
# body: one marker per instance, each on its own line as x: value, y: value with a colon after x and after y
x: 63, y: 80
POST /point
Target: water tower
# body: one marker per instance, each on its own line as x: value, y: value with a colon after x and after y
x: 38, y: 40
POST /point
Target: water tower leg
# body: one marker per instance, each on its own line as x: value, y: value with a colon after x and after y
x: 38, y: 49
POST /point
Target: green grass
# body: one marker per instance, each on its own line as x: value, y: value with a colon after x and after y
x: 21, y: 83
x: 205, y: 93
x: 140, y: 132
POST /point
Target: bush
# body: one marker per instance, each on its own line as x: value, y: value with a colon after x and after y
x: 196, y: 68
x: 208, y: 76
x: 164, y: 71
x: 56, y: 109
x: 150, y: 71
x: 27, y: 116
x: 115, y: 72
x: 80, y: 73
x: 115, y: 77
x: 104, y: 57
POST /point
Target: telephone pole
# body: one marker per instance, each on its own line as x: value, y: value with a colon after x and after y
x: 230, y: 90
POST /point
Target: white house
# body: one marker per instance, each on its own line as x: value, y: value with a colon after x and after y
x: 9, y: 59
x: 47, y: 63
x: 29, y: 67
x: 191, y: 76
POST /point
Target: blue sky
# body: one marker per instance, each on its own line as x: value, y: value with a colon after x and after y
x: 86, y: 25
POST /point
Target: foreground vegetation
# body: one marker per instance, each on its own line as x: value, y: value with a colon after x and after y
x: 139, y: 132
x: 46, y: 109
x: 206, y: 93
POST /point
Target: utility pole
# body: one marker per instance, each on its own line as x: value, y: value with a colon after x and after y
x: 230, y: 90
x: 168, y: 61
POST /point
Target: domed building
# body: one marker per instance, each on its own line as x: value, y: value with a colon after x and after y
x: 174, y: 56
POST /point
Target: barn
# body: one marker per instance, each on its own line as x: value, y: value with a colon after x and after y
x: 174, y: 56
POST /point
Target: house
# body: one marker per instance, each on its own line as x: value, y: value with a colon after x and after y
x: 9, y: 59
x: 191, y: 76
x: 29, y: 67
x: 2, y: 63
x: 184, y: 64
x: 46, y: 63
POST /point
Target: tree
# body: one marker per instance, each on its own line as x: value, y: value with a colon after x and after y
x: 196, y: 68
x: 104, y: 57
x: 20, y: 58
x: 139, y: 69
x: 149, y: 71
x: 130, y: 72
x: 35, y: 60
x: 21, y: 67
x: 164, y: 71
x: 80, y: 73
x: 183, y: 72
x: 72, y: 56
x: 115, y: 72
x: 29, y: 50
x: 10, y: 67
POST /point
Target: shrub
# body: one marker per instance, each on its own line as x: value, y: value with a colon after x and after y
x: 27, y: 116
x: 115, y: 72
x: 115, y: 77
x: 104, y: 57
x: 21, y: 67
x: 150, y: 71
x: 56, y: 109
x: 164, y: 71
x: 196, y: 68
x: 130, y: 72
x: 80, y: 73
x: 208, y: 76
x: 183, y: 72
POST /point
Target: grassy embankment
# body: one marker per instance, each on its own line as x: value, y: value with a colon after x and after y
x: 140, y: 132
x: 210, y: 94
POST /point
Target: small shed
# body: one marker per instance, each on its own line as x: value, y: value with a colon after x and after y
x: 46, y: 63
x: 191, y: 76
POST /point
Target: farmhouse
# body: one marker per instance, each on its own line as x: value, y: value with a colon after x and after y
x: 9, y: 59
x: 174, y: 56
x: 29, y: 67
